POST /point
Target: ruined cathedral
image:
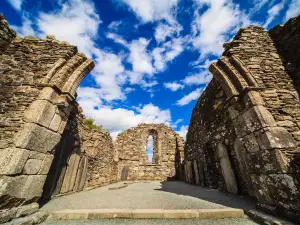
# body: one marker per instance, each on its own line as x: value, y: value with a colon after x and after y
x: 243, y: 136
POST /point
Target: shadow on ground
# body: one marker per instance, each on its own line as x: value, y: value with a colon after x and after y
x: 210, y: 195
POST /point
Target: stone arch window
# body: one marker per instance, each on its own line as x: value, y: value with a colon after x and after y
x: 152, y: 147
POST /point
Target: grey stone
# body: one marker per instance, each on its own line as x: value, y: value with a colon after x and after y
x: 258, y: 117
x: 12, y: 160
x: 27, y: 209
x: 196, y: 171
x: 275, y: 137
x: 23, y: 187
x: 36, y: 138
x: 7, y: 215
x: 70, y: 176
x: 46, y: 164
x: 48, y: 93
x: 251, y: 143
x: 40, y: 112
x: 32, y: 166
x: 227, y: 170
x: 55, y: 123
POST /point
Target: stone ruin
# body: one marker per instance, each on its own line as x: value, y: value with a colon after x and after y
x: 46, y: 149
x: 243, y: 136
x: 131, y: 147
x: 244, y: 133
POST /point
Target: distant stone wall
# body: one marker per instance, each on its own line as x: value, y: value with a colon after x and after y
x: 131, y: 148
x: 244, y: 131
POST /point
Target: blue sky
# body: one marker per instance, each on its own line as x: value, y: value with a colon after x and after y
x: 151, y: 56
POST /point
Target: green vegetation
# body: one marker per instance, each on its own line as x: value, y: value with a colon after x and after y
x: 90, y: 123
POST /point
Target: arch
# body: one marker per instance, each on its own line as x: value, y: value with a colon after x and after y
x: 150, y: 148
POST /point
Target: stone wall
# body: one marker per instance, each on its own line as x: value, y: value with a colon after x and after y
x: 131, y: 148
x: 38, y: 82
x: 244, y: 130
x: 84, y: 158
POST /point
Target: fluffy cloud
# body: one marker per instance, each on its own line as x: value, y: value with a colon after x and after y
x: 17, y: 4
x: 183, y: 131
x: 293, y: 9
x: 214, y: 23
x: 203, y: 77
x: 273, y: 12
x: 173, y: 86
x: 194, y: 95
x: 118, y: 119
x: 164, y: 30
x: 139, y: 57
x: 153, y: 10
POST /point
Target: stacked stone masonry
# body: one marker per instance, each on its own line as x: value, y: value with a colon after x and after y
x: 131, y: 148
x: 244, y: 130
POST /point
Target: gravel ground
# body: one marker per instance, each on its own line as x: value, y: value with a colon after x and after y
x: 150, y: 195
x: 239, y: 221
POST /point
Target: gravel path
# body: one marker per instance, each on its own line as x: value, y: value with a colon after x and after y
x: 150, y: 195
x: 239, y: 221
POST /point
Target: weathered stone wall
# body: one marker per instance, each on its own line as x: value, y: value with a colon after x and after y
x: 37, y: 91
x: 7, y: 35
x: 84, y: 158
x: 131, y: 148
x: 244, y: 130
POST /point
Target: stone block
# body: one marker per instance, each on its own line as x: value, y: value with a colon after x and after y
x: 70, y: 175
x: 260, y: 189
x: 7, y: 214
x: 181, y: 214
x: 32, y: 166
x: 284, y: 190
x: 267, y: 162
x: 46, y: 164
x: 240, y: 126
x: 250, y: 143
x: 36, y: 138
x: 109, y: 213
x: 48, y: 93
x: 258, y: 117
x: 70, y: 214
x: 12, y: 160
x: 25, y: 187
x: 40, y: 112
x: 196, y: 172
x: 55, y: 123
x: 27, y: 209
x: 233, y: 113
x: 220, y: 213
x: 253, y: 98
x: 147, y: 213
x: 275, y: 138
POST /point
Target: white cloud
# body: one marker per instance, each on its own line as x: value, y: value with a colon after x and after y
x: 117, y: 120
x: 173, y: 86
x: 194, y: 95
x: 183, y: 131
x: 77, y: 23
x: 273, y: 12
x: 164, y: 30
x: 110, y: 75
x: 140, y: 57
x: 293, y: 9
x: 203, y: 77
x: 153, y: 10
x: 17, y: 4
x: 215, y: 25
